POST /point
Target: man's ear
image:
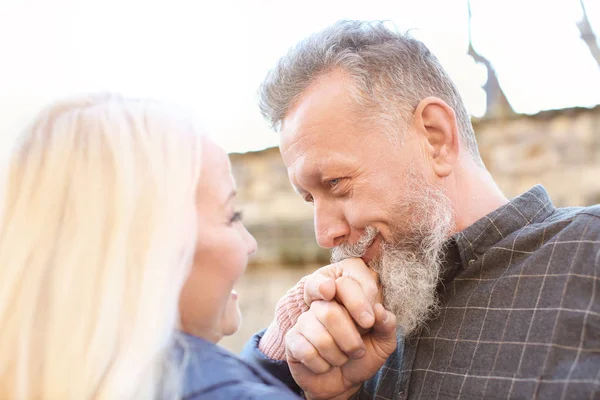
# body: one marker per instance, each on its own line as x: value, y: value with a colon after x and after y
x: 435, y: 122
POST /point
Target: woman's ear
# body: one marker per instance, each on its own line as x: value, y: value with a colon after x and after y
x: 435, y: 122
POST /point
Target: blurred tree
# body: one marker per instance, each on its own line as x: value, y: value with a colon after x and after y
x: 497, y: 105
x: 587, y: 34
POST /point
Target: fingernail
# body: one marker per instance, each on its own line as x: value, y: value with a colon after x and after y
x: 366, y: 319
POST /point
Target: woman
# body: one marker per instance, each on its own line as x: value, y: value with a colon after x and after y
x: 118, y: 231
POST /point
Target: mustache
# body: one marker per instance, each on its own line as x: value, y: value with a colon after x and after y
x: 354, y: 250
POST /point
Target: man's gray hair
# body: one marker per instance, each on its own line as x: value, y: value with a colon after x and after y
x: 391, y: 73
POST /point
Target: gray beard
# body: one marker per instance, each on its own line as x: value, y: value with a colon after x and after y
x: 409, y: 267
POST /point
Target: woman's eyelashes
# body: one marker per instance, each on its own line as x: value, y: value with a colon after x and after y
x: 236, y: 217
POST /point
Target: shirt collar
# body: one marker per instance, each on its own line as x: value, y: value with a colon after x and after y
x: 531, y: 207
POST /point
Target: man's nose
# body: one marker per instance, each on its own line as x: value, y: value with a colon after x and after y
x: 331, y: 227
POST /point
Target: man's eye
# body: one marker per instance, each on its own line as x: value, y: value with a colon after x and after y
x: 333, y: 182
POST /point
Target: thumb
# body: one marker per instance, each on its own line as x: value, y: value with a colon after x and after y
x: 384, y: 330
x: 318, y: 287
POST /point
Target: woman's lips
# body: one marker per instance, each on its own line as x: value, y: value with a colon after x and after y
x: 234, y: 294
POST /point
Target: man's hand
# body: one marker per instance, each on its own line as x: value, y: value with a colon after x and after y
x: 328, y: 357
x: 325, y: 351
x: 351, y: 283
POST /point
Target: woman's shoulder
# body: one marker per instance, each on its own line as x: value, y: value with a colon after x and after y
x: 242, y: 391
x: 212, y: 372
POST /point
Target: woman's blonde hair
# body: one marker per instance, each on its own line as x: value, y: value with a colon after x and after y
x: 97, y: 237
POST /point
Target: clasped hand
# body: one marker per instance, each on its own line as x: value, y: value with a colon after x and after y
x: 345, y: 336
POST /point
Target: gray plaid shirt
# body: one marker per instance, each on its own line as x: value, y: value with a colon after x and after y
x: 519, y: 315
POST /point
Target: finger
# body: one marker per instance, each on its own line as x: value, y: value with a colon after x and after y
x: 318, y: 287
x: 340, y: 326
x: 350, y: 294
x: 365, y: 276
x: 298, y: 348
x: 321, y: 340
x: 384, y: 330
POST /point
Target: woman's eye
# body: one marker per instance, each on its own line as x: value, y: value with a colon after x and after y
x: 237, y: 216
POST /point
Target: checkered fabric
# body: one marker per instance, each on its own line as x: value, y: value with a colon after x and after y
x: 519, y: 316
x: 519, y: 313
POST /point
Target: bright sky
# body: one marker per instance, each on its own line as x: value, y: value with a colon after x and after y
x: 210, y: 56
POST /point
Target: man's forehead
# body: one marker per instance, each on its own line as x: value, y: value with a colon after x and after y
x: 296, y: 132
x: 315, y: 164
x: 302, y: 137
x: 325, y: 101
x: 294, y: 146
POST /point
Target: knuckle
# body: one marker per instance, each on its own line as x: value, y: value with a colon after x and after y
x: 339, y: 361
x: 307, y: 354
x: 291, y: 348
x: 342, y: 360
x: 351, y: 346
x: 309, y: 279
x: 322, y: 368
x: 344, y: 262
x: 302, y: 320
x: 350, y: 265
x: 316, y: 307
x: 318, y: 367
x: 328, y: 314
x: 338, y: 269
x: 290, y: 339
x: 300, y: 348
x: 341, y: 282
x: 307, y: 322
x: 312, y: 279
x: 323, y: 342
x: 321, y: 271
x: 331, y: 270
x: 353, y: 261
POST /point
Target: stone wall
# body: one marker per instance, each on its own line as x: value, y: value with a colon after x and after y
x: 559, y: 149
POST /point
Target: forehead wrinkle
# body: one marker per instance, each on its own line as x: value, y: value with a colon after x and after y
x: 292, y: 149
x: 324, y: 163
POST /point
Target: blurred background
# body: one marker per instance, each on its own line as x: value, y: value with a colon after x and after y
x: 529, y: 71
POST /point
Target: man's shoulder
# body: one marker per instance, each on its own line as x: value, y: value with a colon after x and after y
x: 576, y: 223
x: 565, y: 223
x: 569, y: 239
x: 591, y: 213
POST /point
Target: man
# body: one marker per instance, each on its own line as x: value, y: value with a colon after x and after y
x: 493, y: 298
